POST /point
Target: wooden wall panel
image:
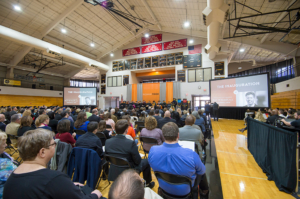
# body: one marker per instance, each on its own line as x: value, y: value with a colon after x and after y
x: 21, y: 100
x: 289, y: 99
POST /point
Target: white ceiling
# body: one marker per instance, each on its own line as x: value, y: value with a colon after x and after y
x: 88, y: 23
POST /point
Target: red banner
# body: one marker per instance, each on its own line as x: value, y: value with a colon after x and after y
x: 152, y: 48
x: 151, y: 39
x: 175, y: 44
x: 131, y: 51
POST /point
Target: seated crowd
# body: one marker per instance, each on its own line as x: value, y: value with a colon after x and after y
x: 37, y: 126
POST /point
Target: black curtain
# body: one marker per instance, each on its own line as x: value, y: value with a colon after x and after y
x: 274, y: 150
x: 233, y: 113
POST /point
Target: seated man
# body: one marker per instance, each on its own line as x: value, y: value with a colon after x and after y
x: 90, y: 140
x: 2, y: 125
x: 188, y: 133
x: 13, y: 127
x: 199, y: 121
x: 165, y: 120
x: 171, y: 158
x: 122, y: 147
x: 271, y: 119
x: 128, y: 185
x: 94, y: 117
x: 295, y: 123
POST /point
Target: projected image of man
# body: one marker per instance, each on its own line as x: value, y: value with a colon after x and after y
x: 250, y: 99
x: 87, y: 101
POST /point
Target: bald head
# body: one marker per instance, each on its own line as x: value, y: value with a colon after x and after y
x: 127, y: 186
x: 167, y: 114
x: 2, y: 118
x: 189, y: 120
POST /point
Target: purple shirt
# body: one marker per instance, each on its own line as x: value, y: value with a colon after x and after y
x: 154, y: 133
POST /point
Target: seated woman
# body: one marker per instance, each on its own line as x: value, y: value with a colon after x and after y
x: 130, y: 131
x: 6, y: 162
x: 42, y: 122
x: 25, y: 125
x: 102, y: 129
x: 81, y: 122
x: 150, y: 130
x: 142, y: 117
x: 258, y: 116
x: 176, y: 117
x: 184, y: 115
x: 33, y: 179
x: 63, y: 134
x: 109, y: 121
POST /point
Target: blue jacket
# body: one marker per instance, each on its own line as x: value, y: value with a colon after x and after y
x: 87, y: 165
x: 201, y: 122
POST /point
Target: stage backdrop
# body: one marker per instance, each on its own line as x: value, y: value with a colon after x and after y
x: 152, y: 91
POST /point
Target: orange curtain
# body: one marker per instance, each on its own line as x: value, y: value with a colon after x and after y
x: 151, y: 92
x: 169, y: 92
x: 134, y: 92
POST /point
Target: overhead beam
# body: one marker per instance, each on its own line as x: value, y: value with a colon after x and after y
x: 74, y: 72
x: 19, y: 56
x: 151, y: 13
x: 281, y: 16
x: 42, y: 45
x: 47, y: 37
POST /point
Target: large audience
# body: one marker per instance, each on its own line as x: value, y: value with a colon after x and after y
x: 36, y: 128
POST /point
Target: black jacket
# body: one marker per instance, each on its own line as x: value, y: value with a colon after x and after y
x: 57, y: 117
x: 157, y: 119
x: 94, y: 118
x: 271, y: 120
x: 120, y: 146
x: 23, y: 130
x: 164, y: 121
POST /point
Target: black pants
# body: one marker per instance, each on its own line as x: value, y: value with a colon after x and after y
x: 207, y: 113
x: 216, y: 114
x: 146, y: 169
x: 200, y: 180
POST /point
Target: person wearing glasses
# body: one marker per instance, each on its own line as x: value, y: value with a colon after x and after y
x: 32, y: 179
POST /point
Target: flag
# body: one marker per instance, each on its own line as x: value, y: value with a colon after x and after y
x: 195, y: 49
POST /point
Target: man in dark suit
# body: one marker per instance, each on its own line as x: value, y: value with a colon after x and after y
x: 271, y: 119
x: 2, y: 125
x: 165, y: 120
x: 156, y: 116
x: 7, y: 113
x: 14, y: 111
x: 122, y: 147
x: 94, y: 116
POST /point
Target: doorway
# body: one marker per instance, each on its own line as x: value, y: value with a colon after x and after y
x: 199, y: 101
x: 112, y: 102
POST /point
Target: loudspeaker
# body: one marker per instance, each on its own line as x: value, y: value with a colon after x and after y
x: 33, y: 86
x: 51, y: 87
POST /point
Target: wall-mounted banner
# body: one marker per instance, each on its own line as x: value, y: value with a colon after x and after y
x: 152, y: 48
x: 131, y: 51
x: 152, y: 39
x: 12, y: 82
x: 175, y: 44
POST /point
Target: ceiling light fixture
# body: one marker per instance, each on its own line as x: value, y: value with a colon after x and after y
x: 17, y: 8
x: 111, y: 54
x: 186, y: 24
x: 63, y: 30
x: 191, y: 41
x: 242, y: 50
x: 92, y: 45
x: 239, y: 68
x: 146, y: 35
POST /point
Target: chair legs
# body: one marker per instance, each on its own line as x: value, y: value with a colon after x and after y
x: 101, y: 176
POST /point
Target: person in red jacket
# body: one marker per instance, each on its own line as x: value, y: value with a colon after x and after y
x: 63, y: 128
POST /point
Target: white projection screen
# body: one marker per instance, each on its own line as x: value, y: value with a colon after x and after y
x: 249, y: 91
x: 84, y: 96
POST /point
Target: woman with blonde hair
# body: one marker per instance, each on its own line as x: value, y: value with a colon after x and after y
x: 26, y: 113
x: 42, y: 122
x: 150, y: 130
x: 25, y: 125
x: 259, y: 116
x: 33, y: 179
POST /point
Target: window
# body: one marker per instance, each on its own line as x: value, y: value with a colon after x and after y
x: 114, y: 81
x: 84, y: 83
x: 199, y: 75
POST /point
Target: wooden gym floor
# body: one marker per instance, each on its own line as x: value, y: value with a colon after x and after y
x: 241, y: 177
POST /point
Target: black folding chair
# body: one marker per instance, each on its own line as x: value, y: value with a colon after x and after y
x: 139, y: 123
x: 148, y: 140
x: 140, y: 128
x: 102, y: 137
x: 119, y: 165
x: 174, y: 180
x: 108, y: 126
x: 11, y: 147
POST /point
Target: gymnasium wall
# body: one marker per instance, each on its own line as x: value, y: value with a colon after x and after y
x: 15, y: 96
x: 288, y: 99
x: 288, y: 85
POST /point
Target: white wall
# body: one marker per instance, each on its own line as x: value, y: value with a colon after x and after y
x: 294, y: 85
x: 7, y: 90
x: 190, y: 88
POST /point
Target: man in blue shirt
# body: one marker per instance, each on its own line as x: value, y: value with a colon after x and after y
x: 171, y: 158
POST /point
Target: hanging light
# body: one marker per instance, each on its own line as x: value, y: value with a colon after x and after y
x: 146, y: 35
x: 191, y: 41
x: 186, y: 24
x: 92, y: 45
x: 242, y: 50
x: 17, y: 7
x: 111, y: 54
x: 63, y: 30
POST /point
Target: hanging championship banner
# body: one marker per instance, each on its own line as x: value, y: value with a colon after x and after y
x: 132, y: 51
x: 152, y: 48
x: 175, y: 44
x: 152, y: 39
